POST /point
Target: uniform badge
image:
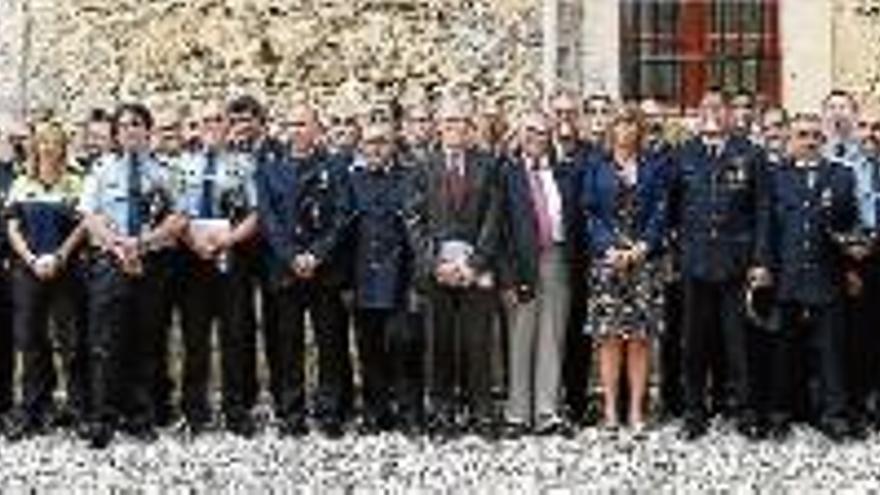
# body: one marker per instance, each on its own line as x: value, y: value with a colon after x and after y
x: 826, y: 198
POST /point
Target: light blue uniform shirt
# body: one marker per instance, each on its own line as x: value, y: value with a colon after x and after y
x: 867, y: 182
x: 106, y: 189
x: 232, y: 183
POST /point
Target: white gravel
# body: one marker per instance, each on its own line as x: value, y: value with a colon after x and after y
x: 593, y: 460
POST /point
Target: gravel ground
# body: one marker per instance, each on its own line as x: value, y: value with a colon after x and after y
x: 593, y: 460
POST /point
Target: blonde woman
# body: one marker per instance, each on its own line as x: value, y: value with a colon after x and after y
x: 44, y: 232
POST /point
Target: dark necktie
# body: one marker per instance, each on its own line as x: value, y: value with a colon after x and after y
x: 135, y: 195
x: 206, y: 205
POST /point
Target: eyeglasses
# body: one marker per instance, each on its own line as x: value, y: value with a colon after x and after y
x: 809, y: 134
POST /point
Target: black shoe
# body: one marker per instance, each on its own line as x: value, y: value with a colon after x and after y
x: 293, y: 427
x: 242, y: 425
x: 693, y: 429
x: 165, y: 416
x: 836, y: 430
x: 779, y: 431
x: 23, y: 427
x: 142, y: 431
x: 749, y: 426
x: 514, y: 430
x: 195, y: 426
x: 331, y: 428
x: 100, y: 435
x: 553, y: 426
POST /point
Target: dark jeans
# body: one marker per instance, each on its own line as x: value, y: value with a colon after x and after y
x: 226, y: 298
x: 713, y: 318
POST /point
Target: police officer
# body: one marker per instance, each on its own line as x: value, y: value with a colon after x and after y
x: 9, y: 160
x: 215, y: 191
x: 720, y: 175
x: 300, y: 216
x: 168, y: 146
x: 813, y: 208
x: 379, y: 228
x: 126, y: 204
x: 248, y: 134
x: 44, y: 232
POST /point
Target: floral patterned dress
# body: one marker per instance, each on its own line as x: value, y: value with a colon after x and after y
x: 626, y: 304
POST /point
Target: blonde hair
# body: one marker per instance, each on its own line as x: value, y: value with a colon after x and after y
x: 42, y: 132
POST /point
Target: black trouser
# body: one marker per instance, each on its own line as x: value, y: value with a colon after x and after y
x: 6, y: 341
x: 810, y: 339
x: 34, y: 303
x: 671, y: 387
x: 122, y: 323
x: 863, y: 341
x: 577, y: 360
x: 171, y: 281
x: 226, y: 297
x: 462, y: 347
x: 389, y: 352
x: 714, y: 317
x: 285, y: 350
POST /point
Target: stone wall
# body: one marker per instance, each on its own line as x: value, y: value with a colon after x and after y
x: 857, y: 49
x: 94, y: 52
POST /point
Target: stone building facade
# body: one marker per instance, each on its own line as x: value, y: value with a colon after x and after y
x: 71, y: 55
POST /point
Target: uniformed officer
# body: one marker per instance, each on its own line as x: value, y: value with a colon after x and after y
x: 96, y: 140
x: 44, y: 232
x: 215, y: 192
x: 720, y: 176
x: 571, y: 155
x: 248, y: 134
x: 840, y: 115
x: 813, y: 208
x: 379, y: 232
x: 126, y: 204
x: 300, y: 216
x: 167, y: 145
x: 8, y: 164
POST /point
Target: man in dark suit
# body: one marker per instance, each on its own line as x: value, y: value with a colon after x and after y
x: 571, y: 154
x: 720, y: 177
x: 813, y: 211
x: 459, y: 243
x: 300, y: 208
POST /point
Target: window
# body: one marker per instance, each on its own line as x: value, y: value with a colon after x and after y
x: 673, y: 50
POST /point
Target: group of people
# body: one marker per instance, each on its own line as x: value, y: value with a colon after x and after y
x: 480, y: 265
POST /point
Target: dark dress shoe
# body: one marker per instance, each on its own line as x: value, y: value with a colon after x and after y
x: 100, y: 435
x: 836, y: 430
x: 242, y: 426
x: 693, y: 429
x: 23, y: 427
x: 293, y: 427
x: 332, y: 429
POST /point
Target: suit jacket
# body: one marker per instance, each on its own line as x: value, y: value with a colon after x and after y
x: 722, y: 209
x: 378, y: 233
x: 300, y: 202
x: 520, y: 267
x: 805, y: 226
x: 599, y: 199
x: 477, y: 220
